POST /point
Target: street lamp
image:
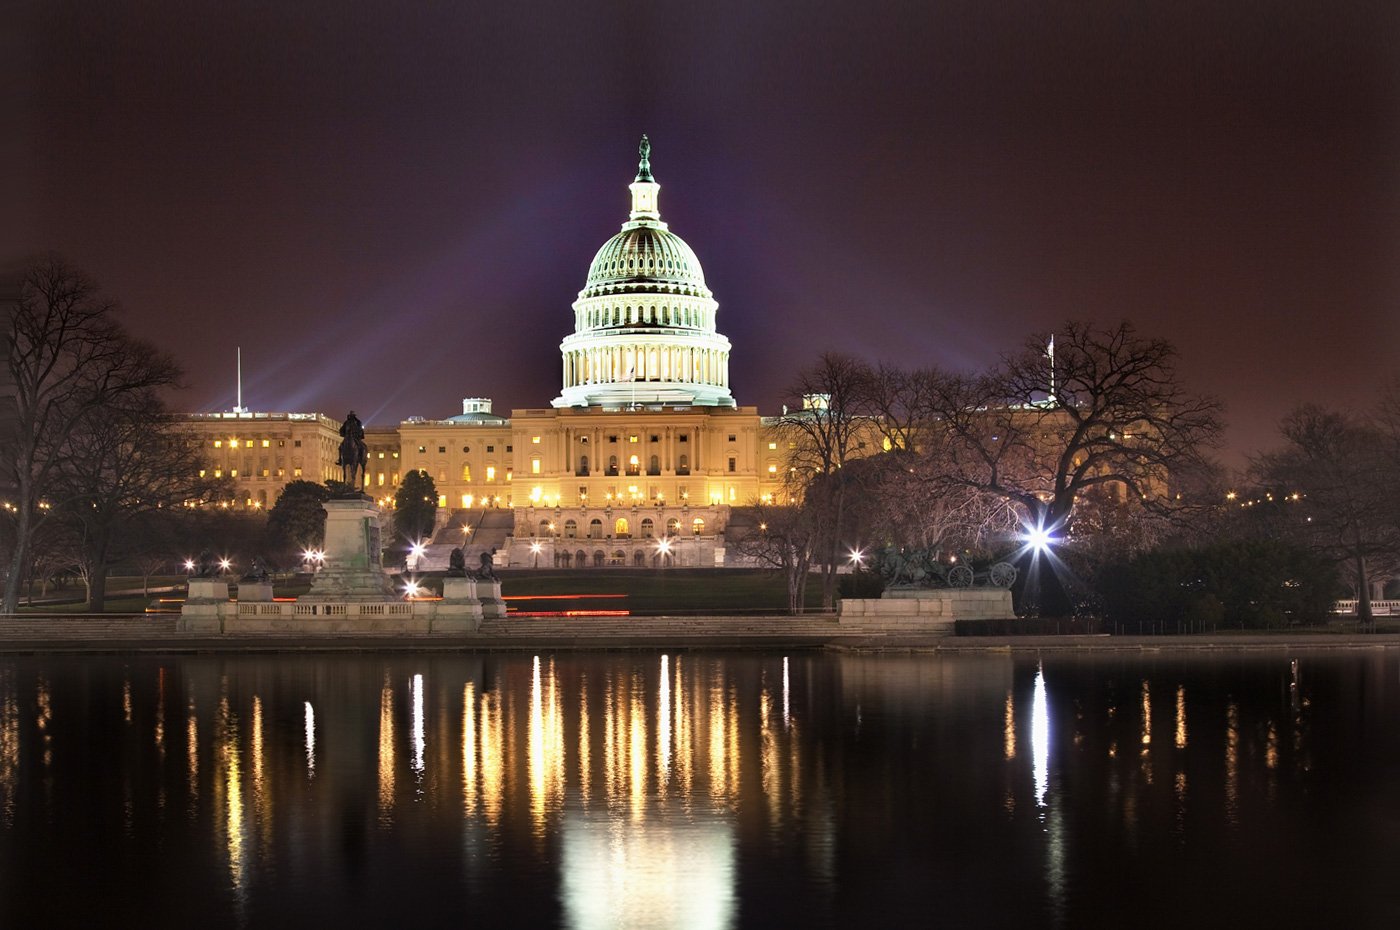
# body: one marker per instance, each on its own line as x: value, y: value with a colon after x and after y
x: 663, y: 548
x: 535, y: 548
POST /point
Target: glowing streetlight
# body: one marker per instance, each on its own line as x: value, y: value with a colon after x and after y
x: 663, y: 549
x: 535, y: 548
x: 225, y: 564
x: 189, y: 565
x: 411, y: 589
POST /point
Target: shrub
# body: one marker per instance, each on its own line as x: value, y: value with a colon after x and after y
x: 1254, y: 584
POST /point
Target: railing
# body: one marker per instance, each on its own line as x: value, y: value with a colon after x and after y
x: 1378, y: 608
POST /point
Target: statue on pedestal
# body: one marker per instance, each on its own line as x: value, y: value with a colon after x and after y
x: 354, y: 455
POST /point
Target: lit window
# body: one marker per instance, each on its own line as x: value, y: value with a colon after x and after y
x: 510, y: 473
x: 772, y: 445
x: 422, y: 449
x: 442, y: 500
x: 490, y: 472
x: 534, y: 466
x: 535, y: 440
x: 201, y: 473
x: 631, y: 438
x: 218, y: 443
x: 233, y: 443
x: 266, y: 443
x: 233, y: 473
x: 772, y: 469
x: 266, y: 473
x: 296, y: 472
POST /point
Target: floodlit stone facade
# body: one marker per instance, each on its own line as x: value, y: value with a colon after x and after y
x: 644, y: 442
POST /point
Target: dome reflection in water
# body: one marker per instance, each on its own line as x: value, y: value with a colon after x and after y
x: 695, y: 790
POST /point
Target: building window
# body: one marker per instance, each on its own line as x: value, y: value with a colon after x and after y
x: 773, y: 470
x: 281, y: 443
x: 534, y: 466
x: 490, y: 472
x: 510, y: 473
x: 632, y: 438
x: 654, y: 465
x: 772, y: 445
x: 281, y: 472
x: 218, y: 473
x: 466, y: 473
x: 620, y: 528
x: 683, y: 437
x: 266, y: 473
x: 510, y: 448
x: 266, y: 444
x: 655, y: 438
x: 612, y: 439
x: 733, y: 464
x: 296, y: 443
x: 296, y: 472
x: 673, y: 526
x: 732, y: 437
x: 233, y: 474
x: 465, y: 450
x: 595, y: 528
x: 442, y: 450
x: 570, y: 529
x: 648, y: 528
x: 490, y: 448
x: 535, y: 440
x: 218, y: 443
x: 683, y: 465
x: 697, y: 526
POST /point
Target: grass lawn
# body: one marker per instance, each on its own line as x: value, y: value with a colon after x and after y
x: 670, y: 591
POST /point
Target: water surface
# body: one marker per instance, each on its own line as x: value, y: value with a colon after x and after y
x: 700, y: 790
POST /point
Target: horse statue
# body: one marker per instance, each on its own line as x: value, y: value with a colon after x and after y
x: 354, y: 455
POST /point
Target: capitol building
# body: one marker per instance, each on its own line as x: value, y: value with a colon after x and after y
x: 644, y: 443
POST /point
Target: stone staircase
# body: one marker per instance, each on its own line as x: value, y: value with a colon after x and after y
x: 94, y: 627
x: 490, y: 529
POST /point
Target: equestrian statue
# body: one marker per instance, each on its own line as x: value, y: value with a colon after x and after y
x: 353, y: 453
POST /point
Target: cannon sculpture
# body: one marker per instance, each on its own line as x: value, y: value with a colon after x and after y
x: 920, y: 568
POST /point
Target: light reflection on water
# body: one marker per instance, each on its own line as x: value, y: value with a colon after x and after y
x: 692, y: 790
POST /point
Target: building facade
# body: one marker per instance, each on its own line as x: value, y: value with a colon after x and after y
x: 645, y: 441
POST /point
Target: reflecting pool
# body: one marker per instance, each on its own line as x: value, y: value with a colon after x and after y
x: 701, y: 790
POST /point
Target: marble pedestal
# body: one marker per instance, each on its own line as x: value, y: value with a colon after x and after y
x: 352, y: 571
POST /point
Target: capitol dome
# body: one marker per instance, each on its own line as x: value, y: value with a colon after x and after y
x: 644, y: 323
x: 642, y: 256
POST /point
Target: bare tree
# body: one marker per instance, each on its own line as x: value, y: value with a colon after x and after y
x: 824, y: 431
x: 782, y: 538
x: 1106, y: 411
x: 69, y: 359
x: 122, y: 462
x: 1335, y: 478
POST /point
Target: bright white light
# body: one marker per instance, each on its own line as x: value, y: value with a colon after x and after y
x: 411, y: 589
x: 1039, y: 539
x: 310, y: 740
x: 858, y: 556
x: 189, y: 565
x: 1040, y: 739
x: 663, y: 546
x: 417, y: 550
x: 224, y: 564
x: 535, y: 548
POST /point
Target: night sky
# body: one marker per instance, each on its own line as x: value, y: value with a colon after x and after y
x: 391, y: 208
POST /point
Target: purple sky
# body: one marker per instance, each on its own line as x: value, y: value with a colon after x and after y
x: 390, y: 209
